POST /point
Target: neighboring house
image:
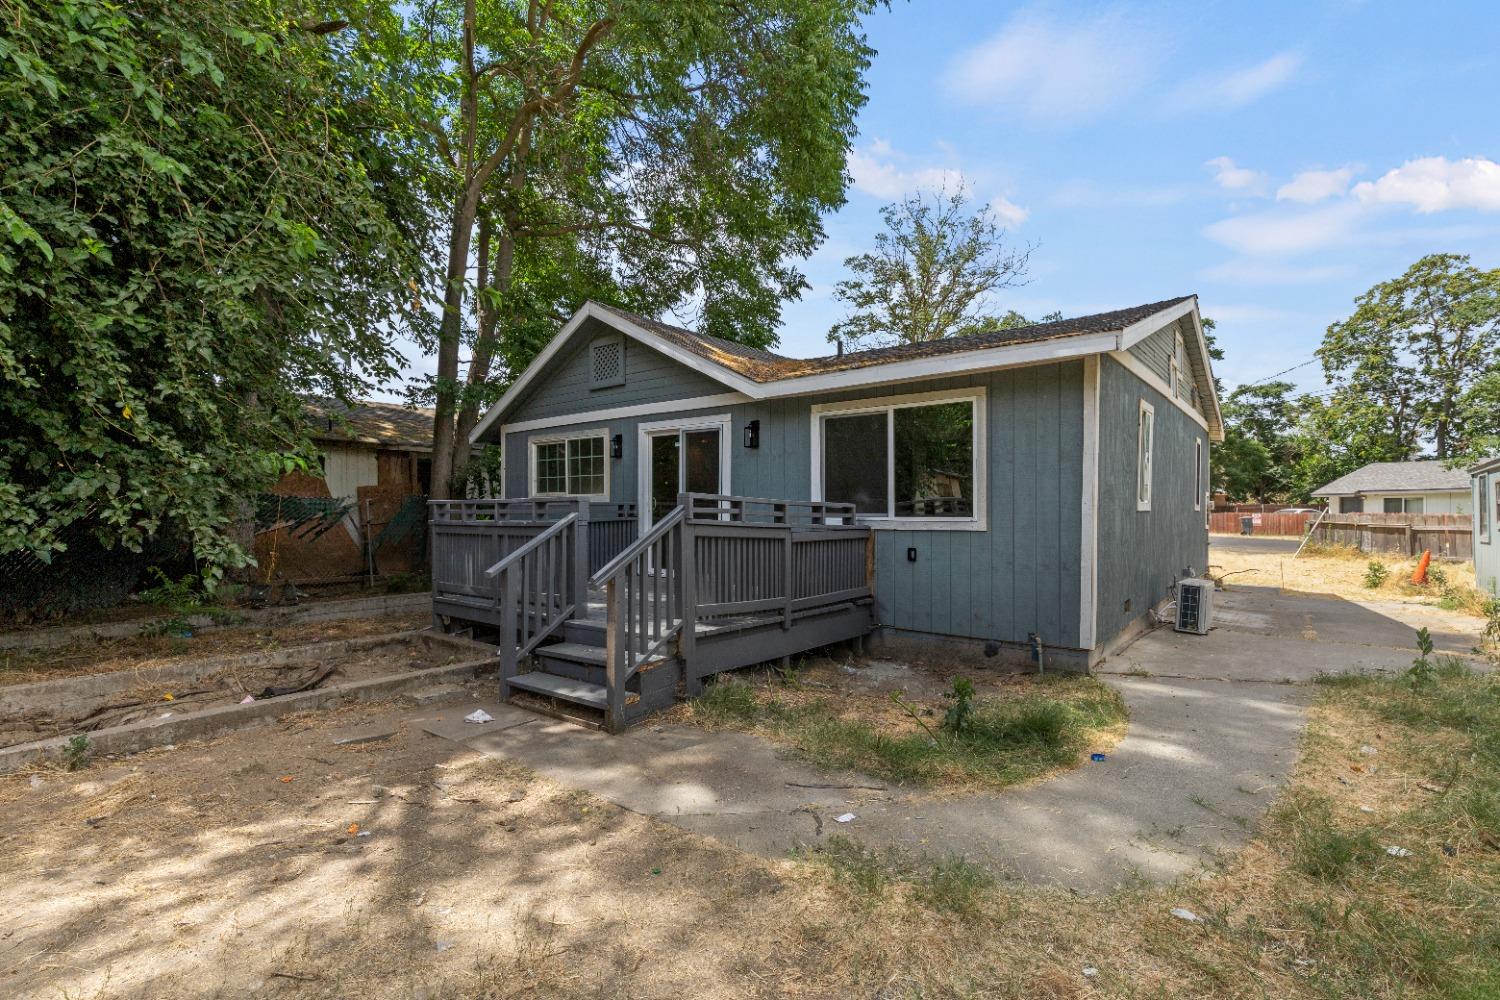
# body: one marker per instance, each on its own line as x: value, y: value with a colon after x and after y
x: 374, y: 458
x: 1426, y: 487
x: 1486, y: 502
x: 1048, y: 481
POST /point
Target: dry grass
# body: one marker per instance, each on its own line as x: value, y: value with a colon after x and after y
x: 1341, y: 572
x: 197, y: 872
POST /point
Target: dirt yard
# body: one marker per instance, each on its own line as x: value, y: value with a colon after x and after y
x: 146, y: 651
x: 1346, y: 573
x: 275, y: 863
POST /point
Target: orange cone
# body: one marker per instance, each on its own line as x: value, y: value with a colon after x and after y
x: 1420, y: 576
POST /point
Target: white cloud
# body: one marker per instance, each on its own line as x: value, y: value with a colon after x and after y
x: 878, y: 170
x: 1435, y: 183
x: 1260, y: 272
x: 1271, y: 233
x: 1235, y: 178
x: 1312, y: 186
x: 1056, y: 72
x: 1236, y: 89
x: 1007, y: 212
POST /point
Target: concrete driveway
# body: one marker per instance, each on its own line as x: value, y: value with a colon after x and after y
x: 1215, y: 725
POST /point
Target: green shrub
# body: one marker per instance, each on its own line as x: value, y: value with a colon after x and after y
x: 1376, y: 574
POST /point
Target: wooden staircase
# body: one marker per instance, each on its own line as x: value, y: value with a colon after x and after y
x: 718, y: 583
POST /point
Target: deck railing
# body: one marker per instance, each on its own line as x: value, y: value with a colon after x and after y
x: 644, y: 595
x: 541, y: 584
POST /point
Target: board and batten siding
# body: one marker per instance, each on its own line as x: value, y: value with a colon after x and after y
x: 650, y: 377
x: 1141, y: 554
x: 1020, y: 576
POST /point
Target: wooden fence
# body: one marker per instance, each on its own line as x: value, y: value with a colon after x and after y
x: 1229, y: 523
x: 1449, y: 536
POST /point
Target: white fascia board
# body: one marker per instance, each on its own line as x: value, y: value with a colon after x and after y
x: 1143, y: 328
x: 625, y: 412
x: 1133, y: 365
x: 942, y: 365
x: 589, y: 311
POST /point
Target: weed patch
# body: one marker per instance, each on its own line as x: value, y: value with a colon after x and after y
x: 1037, y: 726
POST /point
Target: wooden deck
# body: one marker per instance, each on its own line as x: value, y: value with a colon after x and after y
x: 622, y: 623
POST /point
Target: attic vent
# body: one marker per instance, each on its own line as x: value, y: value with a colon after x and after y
x: 607, y: 363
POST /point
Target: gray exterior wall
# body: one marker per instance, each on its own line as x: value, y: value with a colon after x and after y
x: 1487, y: 543
x: 1020, y: 576
x: 650, y: 377
x: 1142, y: 553
x: 1155, y: 352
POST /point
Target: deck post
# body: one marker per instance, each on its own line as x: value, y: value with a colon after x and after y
x: 615, y: 650
x: 510, y: 612
x: 580, y: 577
x: 688, y: 563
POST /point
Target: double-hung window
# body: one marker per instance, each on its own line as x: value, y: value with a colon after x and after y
x: 1144, y: 445
x: 914, y: 460
x: 1200, y: 475
x: 571, y: 465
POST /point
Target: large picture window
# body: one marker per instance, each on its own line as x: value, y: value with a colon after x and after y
x: 910, y: 459
x: 570, y: 466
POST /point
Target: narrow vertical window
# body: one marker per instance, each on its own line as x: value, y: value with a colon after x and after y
x: 1199, y: 491
x: 1145, y: 444
x: 1482, y: 506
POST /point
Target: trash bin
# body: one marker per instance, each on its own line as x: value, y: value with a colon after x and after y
x: 1247, y: 525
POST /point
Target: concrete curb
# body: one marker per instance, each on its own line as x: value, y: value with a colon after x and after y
x: 227, y: 718
x: 359, y: 607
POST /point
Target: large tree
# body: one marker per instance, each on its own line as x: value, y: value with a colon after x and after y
x: 199, y: 222
x: 1256, y: 458
x: 660, y: 155
x: 932, y: 274
x: 1405, y: 364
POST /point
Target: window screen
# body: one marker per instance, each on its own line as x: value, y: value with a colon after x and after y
x: 855, y: 462
x: 934, y: 460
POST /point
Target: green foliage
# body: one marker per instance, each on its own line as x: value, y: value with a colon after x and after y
x: 944, y: 885
x: 1421, y: 671
x: 1376, y: 573
x: 76, y: 753
x: 931, y: 274
x: 957, y: 720
x: 1407, y: 363
x: 194, y: 228
x: 1322, y: 848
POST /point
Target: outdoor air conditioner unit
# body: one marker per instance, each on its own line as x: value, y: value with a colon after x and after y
x: 1195, y: 606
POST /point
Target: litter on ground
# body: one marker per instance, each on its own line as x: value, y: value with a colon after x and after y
x: 1184, y: 914
x: 846, y: 818
x: 479, y: 715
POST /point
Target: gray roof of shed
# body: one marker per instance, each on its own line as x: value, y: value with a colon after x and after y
x: 1397, y: 477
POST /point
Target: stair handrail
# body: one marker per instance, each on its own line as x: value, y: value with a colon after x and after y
x: 612, y: 569
x: 516, y: 638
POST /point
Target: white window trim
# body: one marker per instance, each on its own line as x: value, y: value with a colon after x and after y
x: 541, y: 439
x: 977, y: 398
x: 1198, y: 476
x: 1145, y: 464
x: 723, y: 422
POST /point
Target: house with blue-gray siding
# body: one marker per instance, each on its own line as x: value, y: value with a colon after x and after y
x: 1045, y: 486
x: 1485, y: 487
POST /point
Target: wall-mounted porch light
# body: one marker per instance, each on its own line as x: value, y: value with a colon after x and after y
x: 752, y: 434
x: 617, y: 446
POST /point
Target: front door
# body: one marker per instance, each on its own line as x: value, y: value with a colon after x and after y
x: 682, y: 460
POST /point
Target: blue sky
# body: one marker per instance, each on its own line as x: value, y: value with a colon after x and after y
x: 1275, y: 158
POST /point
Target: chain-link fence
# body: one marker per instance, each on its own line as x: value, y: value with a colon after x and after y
x: 310, y: 543
x: 304, y: 547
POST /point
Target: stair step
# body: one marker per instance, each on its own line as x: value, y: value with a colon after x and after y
x: 578, y: 652
x: 566, y: 689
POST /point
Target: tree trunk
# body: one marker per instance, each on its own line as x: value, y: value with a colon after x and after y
x: 484, y: 343
x: 448, y: 343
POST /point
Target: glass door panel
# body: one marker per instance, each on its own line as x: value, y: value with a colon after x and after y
x: 666, y: 473
x: 702, y: 472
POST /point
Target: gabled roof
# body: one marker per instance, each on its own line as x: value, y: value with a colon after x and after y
x: 759, y: 374
x: 763, y: 366
x: 388, y: 425
x: 1397, y: 477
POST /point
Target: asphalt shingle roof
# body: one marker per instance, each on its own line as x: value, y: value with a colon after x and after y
x: 764, y: 366
x: 388, y: 424
x: 1397, y: 477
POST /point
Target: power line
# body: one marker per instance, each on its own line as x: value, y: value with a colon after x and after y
x: 1280, y: 373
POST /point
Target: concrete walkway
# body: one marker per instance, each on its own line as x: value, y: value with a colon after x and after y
x: 1215, y: 723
